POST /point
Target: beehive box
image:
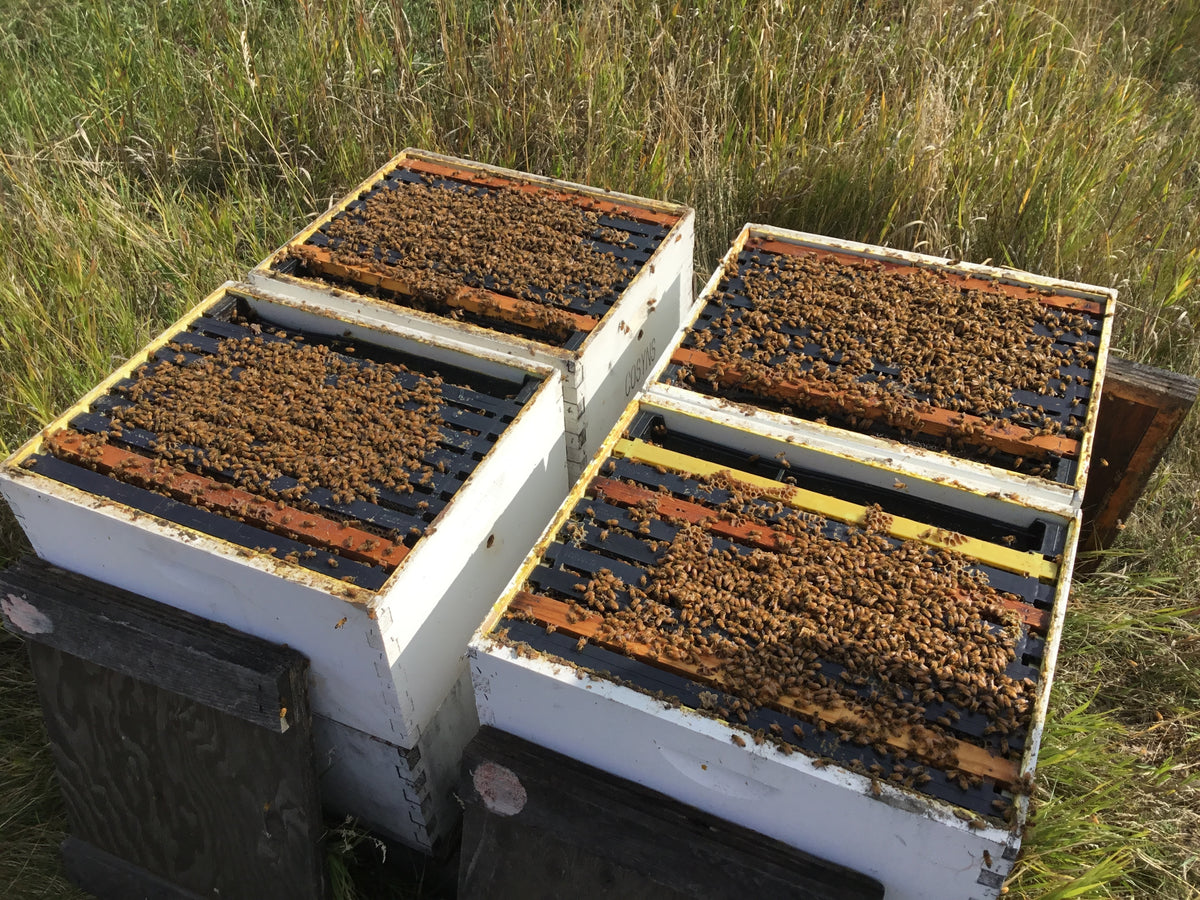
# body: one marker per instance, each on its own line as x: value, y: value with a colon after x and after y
x: 360, y: 495
x: 405, y: 793
x: 800, y: 642
x: 986, y: 376
x: 591, y: 282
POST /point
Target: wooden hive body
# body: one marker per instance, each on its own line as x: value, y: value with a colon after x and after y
x: 386, y: 650
x: 784, y: 325
x: 932, y: 803
x: 603, y: 343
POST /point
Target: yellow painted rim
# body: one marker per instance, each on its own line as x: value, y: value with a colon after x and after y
x: 1018, y: 561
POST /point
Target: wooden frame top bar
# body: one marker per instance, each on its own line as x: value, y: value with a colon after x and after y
x: 707, y: 670
x: 756, y: 535
x: 1007, y: 438
x: 1018, y: 561
x: 478, y: 301
x: 206, y: 493
x: 470, y: 176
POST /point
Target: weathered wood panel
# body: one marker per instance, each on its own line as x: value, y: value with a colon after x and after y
x: 170, y: 793
x: 110, y: 876
x: 207, y: 662
x: 540, y: 824
x: 1141, y: 409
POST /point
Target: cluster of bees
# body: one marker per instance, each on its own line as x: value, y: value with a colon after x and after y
x: 946, y: 347
x: 838, y: 617
x: 519, y: 243
x: 259, y: 409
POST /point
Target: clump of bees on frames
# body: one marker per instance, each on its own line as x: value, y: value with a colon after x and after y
x: 868, y: 343
x: 870, y: 640
x: 272, y: 405
x: 435, y: 238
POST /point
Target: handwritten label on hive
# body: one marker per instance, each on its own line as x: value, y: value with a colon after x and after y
x: 641, y: 368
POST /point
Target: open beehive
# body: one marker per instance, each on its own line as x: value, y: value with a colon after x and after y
x: 592, y: 282
x: 997, y: 371
x: 797, y: 641
x: 360, y: 495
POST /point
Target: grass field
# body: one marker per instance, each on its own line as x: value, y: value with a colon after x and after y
x: 149, y: 151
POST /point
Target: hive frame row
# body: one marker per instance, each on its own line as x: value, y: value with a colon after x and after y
x: 601, y: 375
x: 974, y: 476
x: 382, y: 662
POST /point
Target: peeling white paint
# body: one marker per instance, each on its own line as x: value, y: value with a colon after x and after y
x: 500, y: 789
x: 24, y: 616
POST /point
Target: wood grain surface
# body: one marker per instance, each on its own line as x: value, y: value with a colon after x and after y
x: 1141, y: 409
x: 183, y: 748
x: 581, y: 832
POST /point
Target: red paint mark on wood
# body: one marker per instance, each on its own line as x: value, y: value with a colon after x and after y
x: 499, y: 788
x: 586, y: 201
x: 966, y: 757
x: 620, y: 493
x: 486, y: 304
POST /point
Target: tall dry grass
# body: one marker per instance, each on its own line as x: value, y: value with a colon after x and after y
x: 150, y: 150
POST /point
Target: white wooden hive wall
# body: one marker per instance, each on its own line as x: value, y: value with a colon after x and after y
x: 382, y: 663
x: 406, y: 793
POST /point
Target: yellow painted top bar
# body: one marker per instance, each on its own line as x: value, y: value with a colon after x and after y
x: 1021, y: 562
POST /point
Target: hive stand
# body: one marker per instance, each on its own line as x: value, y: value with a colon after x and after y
x: 538, y: 823
x: 183, y: 748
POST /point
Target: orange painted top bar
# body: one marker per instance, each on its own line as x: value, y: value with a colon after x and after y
x: 519, y: 312
x: 488, y: 304
x: 1012, y: 439
x: 1058, y: 301
x: 757, y: 535
x: 707, y: 670
x: 201, y: 491
x: 637, y: 213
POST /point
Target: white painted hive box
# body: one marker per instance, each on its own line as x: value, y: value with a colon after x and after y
x: 380, y: 592
x: 592, y: 282
x: 984, y: 376
x: 405, y: 793
x: 880, y: 707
